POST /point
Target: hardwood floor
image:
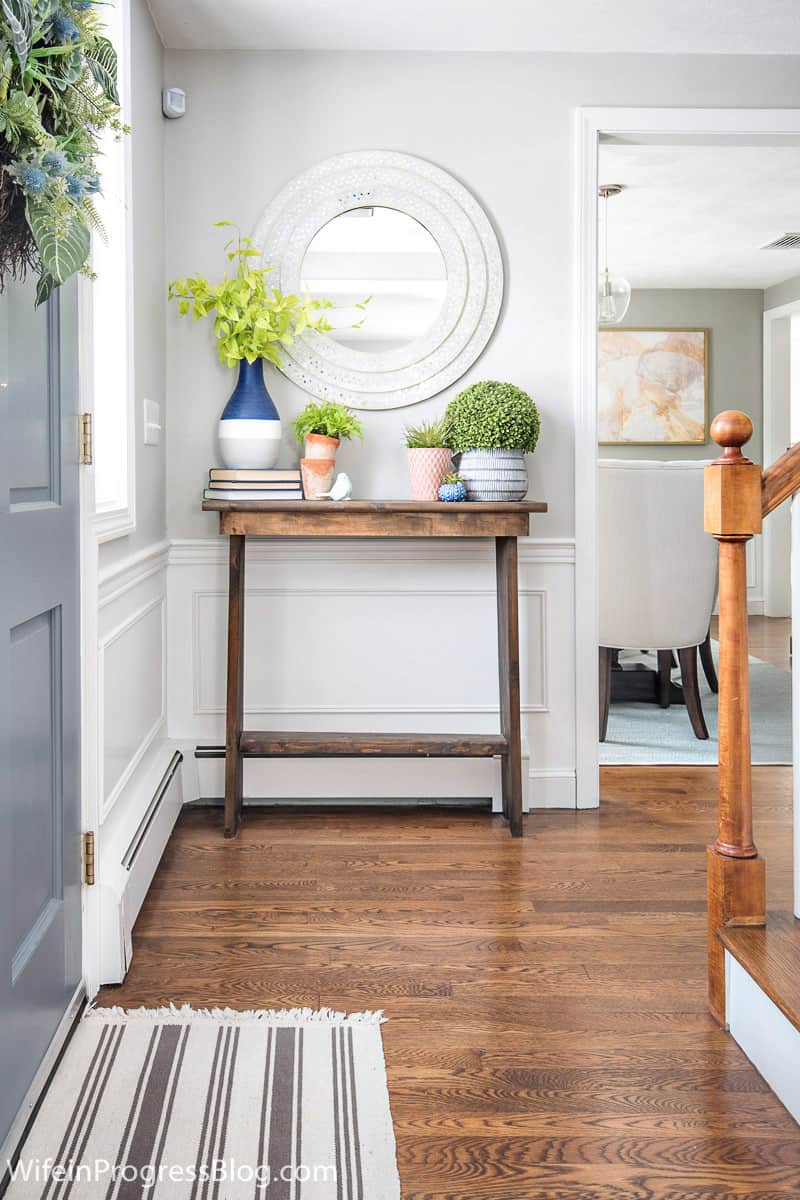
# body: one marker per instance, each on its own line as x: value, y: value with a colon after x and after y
x: 770, y: 639
x: 548, y: 1036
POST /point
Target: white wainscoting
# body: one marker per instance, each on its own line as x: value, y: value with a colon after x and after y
x: 132, y: 751
x: 132, y: 668
x: 375, y: 636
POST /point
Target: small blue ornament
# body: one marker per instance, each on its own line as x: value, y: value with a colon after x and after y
x: 75, y: 187
x: 452, y: 493
x: 33, y: 181
x: 54, y: 162
x: 93, y: 184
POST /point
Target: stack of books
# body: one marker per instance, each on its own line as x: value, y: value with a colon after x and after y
x: 233, y: 484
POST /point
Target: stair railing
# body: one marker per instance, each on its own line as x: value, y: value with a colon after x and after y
x: 737, y: 496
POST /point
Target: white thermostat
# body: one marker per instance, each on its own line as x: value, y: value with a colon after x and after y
x: 173, y: 102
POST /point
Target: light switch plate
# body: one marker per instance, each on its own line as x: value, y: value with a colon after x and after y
x: 152, y: 422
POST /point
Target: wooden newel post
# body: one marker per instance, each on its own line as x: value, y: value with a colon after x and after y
x: 736, y: 879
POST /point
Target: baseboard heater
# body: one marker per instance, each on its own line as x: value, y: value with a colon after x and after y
x: 129, y: 861
x: 129, y: 857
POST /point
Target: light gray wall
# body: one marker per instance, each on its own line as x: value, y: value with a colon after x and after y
x: 782, y: 293
x: 149, y: 332
x: 734, y: 320
x: 504, y: 124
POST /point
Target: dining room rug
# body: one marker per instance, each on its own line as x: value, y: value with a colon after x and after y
x: 175, y: 1103
x: 644, y: 734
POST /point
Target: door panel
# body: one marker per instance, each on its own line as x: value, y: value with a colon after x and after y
x: 40, y: 903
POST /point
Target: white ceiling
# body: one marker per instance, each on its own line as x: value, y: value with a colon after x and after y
x: 697, y: 216
x: 656, y: 26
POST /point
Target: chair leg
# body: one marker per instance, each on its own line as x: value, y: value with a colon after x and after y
x: 691, y: 691
x: 709, y: 667
x: 664, y: 677
x: 605, y: 659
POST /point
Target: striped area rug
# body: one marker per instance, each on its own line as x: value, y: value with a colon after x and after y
x: 179, y: 1104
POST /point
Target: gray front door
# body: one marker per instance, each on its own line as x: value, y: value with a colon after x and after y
x: 40, y: 900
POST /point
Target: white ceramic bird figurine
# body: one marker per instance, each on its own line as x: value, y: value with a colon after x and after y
x: 342, y: 488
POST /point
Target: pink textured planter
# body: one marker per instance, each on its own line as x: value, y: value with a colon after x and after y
x: 317, y: 476
x: 426, y: 466
x: 320, y: 446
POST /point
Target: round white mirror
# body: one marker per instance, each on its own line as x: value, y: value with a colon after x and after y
x: 404, y: 235
x: 383, y: 257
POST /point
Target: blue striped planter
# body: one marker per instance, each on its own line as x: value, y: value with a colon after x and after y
x: 250, y: 427
x: 494, y: 474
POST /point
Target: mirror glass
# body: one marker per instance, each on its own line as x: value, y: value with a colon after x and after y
x: 383, y: 254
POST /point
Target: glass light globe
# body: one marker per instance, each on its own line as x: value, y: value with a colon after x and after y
x: 613, y: 298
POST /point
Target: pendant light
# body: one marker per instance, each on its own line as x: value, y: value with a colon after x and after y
x: 613, y: 292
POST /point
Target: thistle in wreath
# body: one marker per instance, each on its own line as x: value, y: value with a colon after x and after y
x: 451, y: 489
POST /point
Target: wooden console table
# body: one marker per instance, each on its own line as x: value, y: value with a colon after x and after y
x: 394, y: 519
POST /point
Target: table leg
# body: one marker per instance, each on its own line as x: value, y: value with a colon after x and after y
x: 235, y: 692
x: 508, y: 658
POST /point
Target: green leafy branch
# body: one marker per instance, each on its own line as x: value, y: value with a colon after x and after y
x: 251, y: 319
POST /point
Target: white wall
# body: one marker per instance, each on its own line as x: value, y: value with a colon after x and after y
x: 504, y: 125
x: 782, y: 293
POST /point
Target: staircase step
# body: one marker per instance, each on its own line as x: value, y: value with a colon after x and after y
x: 771, y: 956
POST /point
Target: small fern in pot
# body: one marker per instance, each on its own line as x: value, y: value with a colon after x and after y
x: 491, y: 426
x: 428, y: 458
x: 320, y: 428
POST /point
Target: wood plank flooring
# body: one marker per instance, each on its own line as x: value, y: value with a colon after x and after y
x: 770, y: 639
x: 548, y: 1036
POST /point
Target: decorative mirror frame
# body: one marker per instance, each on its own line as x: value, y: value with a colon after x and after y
x: 469, y: 246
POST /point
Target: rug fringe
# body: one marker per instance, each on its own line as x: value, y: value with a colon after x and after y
x: 185, y: 1014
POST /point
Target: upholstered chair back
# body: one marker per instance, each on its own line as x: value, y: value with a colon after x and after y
x: 657, y: 566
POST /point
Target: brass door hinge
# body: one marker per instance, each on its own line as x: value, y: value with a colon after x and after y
x: 86, y: 453
x: 88, y: 858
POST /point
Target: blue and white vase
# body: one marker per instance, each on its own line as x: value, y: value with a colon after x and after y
x: 250, y: 427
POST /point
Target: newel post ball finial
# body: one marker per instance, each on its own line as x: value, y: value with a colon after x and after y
x: 731, y: 430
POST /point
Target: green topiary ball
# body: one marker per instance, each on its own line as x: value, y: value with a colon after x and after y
x: 491, y: 416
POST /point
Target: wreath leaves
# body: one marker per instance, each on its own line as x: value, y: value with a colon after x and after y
x: 102, y: 62
x: 19, y: 18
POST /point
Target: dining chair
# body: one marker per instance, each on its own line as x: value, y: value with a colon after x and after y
x: 657, y: 573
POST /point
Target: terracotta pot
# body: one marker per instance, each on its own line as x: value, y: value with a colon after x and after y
x: 320, y: 446
x: 317, y: 476
x: 426, y: 466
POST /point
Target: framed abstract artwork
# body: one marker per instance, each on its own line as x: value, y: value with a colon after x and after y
x: 652, y: 387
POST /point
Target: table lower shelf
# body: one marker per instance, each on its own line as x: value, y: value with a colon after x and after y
x: 259, y: 744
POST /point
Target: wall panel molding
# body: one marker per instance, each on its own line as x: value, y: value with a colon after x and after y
x: 147, y: 709
x: 120, y: 577
x: 131, y: 667
x: 376, y: 635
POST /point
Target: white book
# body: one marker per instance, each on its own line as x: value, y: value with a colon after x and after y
x: 266, y: 496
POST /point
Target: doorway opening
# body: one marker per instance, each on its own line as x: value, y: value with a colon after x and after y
x: 684, y: 175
